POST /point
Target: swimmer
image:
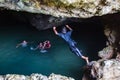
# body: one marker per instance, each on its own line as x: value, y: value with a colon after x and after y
x: 43, y: 46
x: 23, y: 44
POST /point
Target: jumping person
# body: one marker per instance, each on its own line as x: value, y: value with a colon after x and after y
x: 66, y: 35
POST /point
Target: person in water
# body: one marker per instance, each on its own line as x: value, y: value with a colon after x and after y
x: 66, y: 35
x: 43, y: 46
x: 46, y: 44
x: 23, y: 44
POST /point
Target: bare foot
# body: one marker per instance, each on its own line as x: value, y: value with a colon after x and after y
x: 86, y: 59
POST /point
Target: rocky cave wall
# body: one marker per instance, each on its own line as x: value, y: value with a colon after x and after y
x: 60, y: 11
x: 107, y: 68
x: 64, y: 8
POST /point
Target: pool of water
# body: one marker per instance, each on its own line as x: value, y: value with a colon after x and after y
x: 58, y: 59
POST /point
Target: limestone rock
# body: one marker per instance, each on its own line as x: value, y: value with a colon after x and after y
x: 14, y: 77
x: 106, y: 53
x: 34, y: 77
x: 1, y: 78
x: 59, y: 77
x: 38, y: 77
x: 64, y: 8
x: 107, y: 70
x: 112, y: 32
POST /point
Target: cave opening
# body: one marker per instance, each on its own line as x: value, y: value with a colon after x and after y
x: 15, y: 27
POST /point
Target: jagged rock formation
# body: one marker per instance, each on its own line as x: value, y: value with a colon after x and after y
x: 106, y: 53
x: 45, y: 21
x: 34, y: 77
x: 64, y: 8
x: 103, y: 69
x: 107, y: 68
x: 112, y: 32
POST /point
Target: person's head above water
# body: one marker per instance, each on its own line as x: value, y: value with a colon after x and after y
x: 24, y: 41
x: 64, y: 30
x: 47, y: 41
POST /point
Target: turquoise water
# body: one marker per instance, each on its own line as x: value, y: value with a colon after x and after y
x: 58, y: 59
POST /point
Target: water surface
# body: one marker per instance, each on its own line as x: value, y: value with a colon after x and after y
x: 58, y: 59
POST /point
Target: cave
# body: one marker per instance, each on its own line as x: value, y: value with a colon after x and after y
x: 32, y: 47
x: 16, y: 27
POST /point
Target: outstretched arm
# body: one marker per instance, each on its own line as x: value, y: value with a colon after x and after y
x: 68, y: 27
x: 18, y: 45
x: 34, y: 48
x: 55, y: 31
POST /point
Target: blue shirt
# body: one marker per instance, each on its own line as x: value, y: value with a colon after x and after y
x: 67, y: 37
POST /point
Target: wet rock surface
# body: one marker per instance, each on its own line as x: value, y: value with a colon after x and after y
x: 34, y: 77
x: 107, y: 68
x: 64, y: 8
